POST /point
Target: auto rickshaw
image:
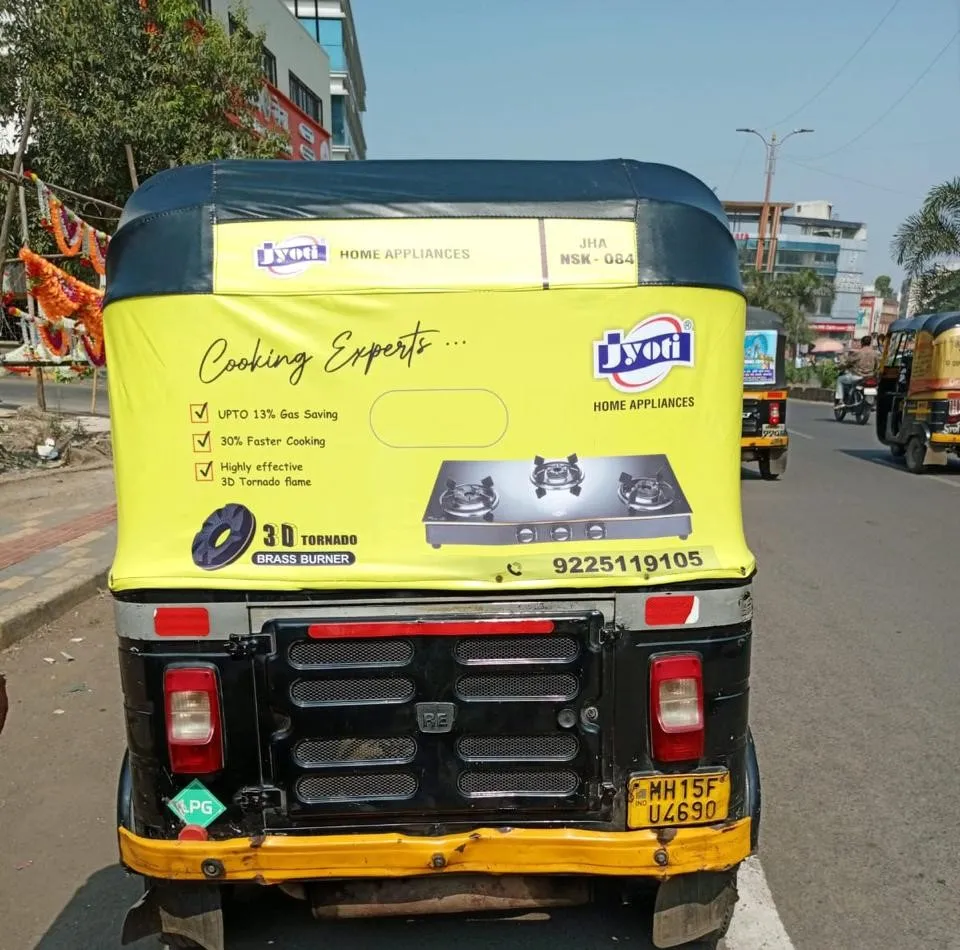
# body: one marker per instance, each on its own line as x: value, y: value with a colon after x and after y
x: 918, y: 399
x: 402, y: 628
x: 764, y: 437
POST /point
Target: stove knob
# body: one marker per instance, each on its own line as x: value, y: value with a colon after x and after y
x: 526, y: 535
x: 595, y: 532
x: 560, y: 533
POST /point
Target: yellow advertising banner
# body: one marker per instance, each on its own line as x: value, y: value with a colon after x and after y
x: 476, y: 439
x: 936, y: 362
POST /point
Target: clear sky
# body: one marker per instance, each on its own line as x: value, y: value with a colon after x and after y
x: 669, y: 81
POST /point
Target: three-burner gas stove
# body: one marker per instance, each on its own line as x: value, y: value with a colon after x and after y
x: 616, y: 498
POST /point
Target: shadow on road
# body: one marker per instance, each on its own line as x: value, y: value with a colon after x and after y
x: 882, y: 456
x: 93, y: 917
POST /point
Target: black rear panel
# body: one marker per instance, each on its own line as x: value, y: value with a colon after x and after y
x: 756, y: 415
x: 392, y: 729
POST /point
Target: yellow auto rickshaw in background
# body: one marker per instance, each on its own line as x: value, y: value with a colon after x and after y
x: 918, y: 399
x: 764, y: 436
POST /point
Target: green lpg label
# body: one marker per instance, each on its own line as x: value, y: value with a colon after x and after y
x: 196, y: 805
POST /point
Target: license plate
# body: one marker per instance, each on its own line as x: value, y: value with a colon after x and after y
x: 678, y: 799
x: 870, y: 392
x: 774, y: 430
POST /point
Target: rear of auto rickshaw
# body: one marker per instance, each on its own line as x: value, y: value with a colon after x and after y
x: 403, y: 628
x: 764, y: 437
x: 918, y: 398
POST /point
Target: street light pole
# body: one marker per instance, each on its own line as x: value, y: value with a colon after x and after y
x: 772, y: 147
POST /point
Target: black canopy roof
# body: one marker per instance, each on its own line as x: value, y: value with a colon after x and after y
x: 759, y: 319
x: 164, y: 244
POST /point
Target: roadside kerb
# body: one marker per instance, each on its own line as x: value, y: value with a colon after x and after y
x: 810, y: 394
x: 35, y: 610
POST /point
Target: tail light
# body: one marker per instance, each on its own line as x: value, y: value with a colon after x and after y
x: 676, y: 707
x: 194, y: 730
x: 774, y: 413
x: 953, y: 407
x: 870, y: 382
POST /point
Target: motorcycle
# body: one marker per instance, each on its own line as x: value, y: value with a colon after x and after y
x: 861, y: 400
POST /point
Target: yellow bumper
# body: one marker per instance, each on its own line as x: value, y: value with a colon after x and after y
x: 764, y: 442
x: 944, y: 438
x: 276, y: 859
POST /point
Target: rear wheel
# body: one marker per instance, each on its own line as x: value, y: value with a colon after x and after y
x: 897, y: 450
x: 766, y: 470
x: 915, y: 453
x: 863, y: 413
x: 839, y: 413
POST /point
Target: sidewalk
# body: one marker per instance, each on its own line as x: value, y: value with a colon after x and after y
x: 57, y: 537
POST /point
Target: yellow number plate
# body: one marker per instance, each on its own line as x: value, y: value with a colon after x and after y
x: 678, y: 799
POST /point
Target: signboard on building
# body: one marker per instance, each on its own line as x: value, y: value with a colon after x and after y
x: 309, y: 141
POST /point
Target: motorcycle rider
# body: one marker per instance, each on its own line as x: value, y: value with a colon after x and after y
x: 857, y: 365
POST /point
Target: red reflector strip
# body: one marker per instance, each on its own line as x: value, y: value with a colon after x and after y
x: 181, y: 622
x: 671, y: 610
x: 193, y: 833
x: 435, y: 628
x: 776, y: 394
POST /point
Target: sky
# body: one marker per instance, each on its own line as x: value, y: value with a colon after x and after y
x: 670, y: 81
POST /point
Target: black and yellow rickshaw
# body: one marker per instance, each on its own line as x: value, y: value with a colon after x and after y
x: 406, y: 624
x: 764, y: 437
x: 918, y: 398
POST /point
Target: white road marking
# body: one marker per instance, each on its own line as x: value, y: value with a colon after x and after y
x: 803, y: 435
x: 756, y: 924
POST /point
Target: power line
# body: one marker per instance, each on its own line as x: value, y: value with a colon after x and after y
x: 736, y: 167
x: 936, y: 59
x: 857, y: 181
x: 843, y: 68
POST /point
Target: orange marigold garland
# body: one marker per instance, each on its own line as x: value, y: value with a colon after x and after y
x: 67, y: 228
x: 54, y: 338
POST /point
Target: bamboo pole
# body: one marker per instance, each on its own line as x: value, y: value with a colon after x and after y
x: 11, y: 191
x: 31, y: 303
x: 131, y: 167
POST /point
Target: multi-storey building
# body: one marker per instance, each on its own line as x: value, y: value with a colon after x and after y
x: 329, y: 23
x: 811, y: 237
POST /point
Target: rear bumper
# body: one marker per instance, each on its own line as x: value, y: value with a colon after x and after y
x: 945, y: 438
x: 764, y: 442
x: 278, y: 859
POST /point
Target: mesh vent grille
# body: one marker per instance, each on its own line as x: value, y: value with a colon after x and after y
x: 554, y: 748
x: 395, y: 750
x: 352, y: 692
x: 528, y: 783
x: 367, y: 786
x: 483, y: 650
x: 307, y: 654
x: 537, y: 686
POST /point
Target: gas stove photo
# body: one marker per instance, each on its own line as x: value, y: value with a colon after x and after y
x: 615, y: 498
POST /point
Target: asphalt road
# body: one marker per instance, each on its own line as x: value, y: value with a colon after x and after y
x: 855, y: 708
x: 61, y: 397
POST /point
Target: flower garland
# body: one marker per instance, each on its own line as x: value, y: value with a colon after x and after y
x: 72, y: 234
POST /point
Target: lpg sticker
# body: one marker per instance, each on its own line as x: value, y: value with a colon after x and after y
x: 644, y: 356
x: 292, y: 256
x: 196, y: 805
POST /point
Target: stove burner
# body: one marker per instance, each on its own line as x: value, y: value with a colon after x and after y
x: 646, y: 493
x: 469, y: 499
x: 557, y: 475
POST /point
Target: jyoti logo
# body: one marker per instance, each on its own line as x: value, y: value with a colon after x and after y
x: 292, y: 256
x: 643, y: 357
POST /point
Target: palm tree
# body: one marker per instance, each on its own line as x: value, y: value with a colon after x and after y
x: 927, y: 242
x: 792, y: 296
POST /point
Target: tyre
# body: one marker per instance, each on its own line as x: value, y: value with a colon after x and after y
x: 839, y: 413
x: 915, y: 453
x: 863, y: 413
x: 766, y: 470
x: 897, y: 451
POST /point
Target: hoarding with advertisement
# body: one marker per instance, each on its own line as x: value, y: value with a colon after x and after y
x: 309, y: 141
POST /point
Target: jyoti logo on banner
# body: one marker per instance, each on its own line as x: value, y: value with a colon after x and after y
x: 644, y: 356
x: 292, y: 256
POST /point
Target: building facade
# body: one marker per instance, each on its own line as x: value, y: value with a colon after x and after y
x: 296, y: 97
x: 811, y: 237
x: 329, y: 24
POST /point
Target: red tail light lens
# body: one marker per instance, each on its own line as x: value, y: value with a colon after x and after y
x: 953, y: 407
x: 676, y: 707
x: 774, y: 413
x: 194, y: 731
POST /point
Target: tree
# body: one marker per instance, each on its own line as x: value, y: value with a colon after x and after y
x: 927, y: 242
x: 793, y: 296
x: 156, y: 75
x: 883, y: 286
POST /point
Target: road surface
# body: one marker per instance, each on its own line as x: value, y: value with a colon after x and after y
x: 61, y: 397
x: 855, y: 707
